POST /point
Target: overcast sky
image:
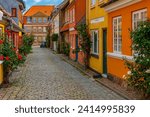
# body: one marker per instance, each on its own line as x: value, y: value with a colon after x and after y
x: 30, y: 3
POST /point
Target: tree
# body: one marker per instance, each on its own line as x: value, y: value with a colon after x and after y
x: 139, y: 74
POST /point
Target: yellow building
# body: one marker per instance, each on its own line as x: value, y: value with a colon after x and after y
x: 97, y: 22
x: 2, y: 26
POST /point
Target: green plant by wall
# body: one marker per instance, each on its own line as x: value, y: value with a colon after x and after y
x: 66, y: 48
x: 85, y: 43
x: 27, y: 44
x: 139, y: 74
x: 55, y: 37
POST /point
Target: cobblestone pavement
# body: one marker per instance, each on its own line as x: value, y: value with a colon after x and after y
x: 46, y: 76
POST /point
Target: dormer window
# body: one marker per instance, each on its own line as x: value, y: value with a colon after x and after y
x: 14, y: 12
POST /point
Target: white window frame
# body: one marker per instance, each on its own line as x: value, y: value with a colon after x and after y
x: 139, y: 12
x: 39, y: 20
x: 92, y: 35
x: 28, y: 20
x: 45, y: 20
x: 44, y: 29
x: 117, y: 51
x: 93, y: 2
x: 34, y: 20
x: 73, y: 18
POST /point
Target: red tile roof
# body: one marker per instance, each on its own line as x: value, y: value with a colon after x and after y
x: 47, y: 10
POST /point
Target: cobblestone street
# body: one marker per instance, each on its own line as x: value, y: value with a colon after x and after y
x: 46, y: 76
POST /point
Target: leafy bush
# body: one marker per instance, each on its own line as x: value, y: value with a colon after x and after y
x: 66, y: 49
x: 139, y: 74
x: 9, y: 56
x: 27, y: 44
x: 55, y: 37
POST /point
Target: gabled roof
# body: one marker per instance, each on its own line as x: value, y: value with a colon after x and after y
x: 47, y: 10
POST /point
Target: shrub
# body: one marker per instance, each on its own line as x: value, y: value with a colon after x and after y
x: 139, y: 74
x: 55, y: 37
x: 27, y: 44
x: 10, y: 57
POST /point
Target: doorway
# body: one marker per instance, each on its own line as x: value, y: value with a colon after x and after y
x: 104, y: 52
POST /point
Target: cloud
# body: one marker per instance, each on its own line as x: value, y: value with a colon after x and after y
x: 37, y: 0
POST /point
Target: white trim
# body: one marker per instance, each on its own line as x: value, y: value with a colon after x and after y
x: 97, y: 31
x: 71, y: 29
x: 97, y: 20
x: 120, y: 4
x: 1, y: 62
x: 119, y: 56
x: 1, y: 15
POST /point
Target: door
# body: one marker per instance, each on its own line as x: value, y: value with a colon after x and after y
x: 77, y: 47
x: 105, y: 51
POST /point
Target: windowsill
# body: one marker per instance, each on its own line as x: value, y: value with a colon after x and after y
x: 119, y: 56
x: 95, y: 56
x: 1, y: 62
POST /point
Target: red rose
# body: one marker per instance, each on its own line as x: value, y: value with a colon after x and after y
x: 19, y: 57
x: 1, y: 57
x: 1, y: 41
x: 7, y: 58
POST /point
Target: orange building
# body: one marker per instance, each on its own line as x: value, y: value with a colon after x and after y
x: 36, y: 21
x: 122, y: 16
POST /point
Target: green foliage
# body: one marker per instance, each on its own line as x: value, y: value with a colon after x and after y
x: 139, y: 74
x: 10, y: 57
x: 85, y: 42
x: 27, y: 44
x: 55, y: 37
x: 66, y: 49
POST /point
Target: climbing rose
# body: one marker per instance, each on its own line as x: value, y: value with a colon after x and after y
x: 7, y: 58
x: 19, y: 57
x: 1, y: 57
x: 1, y: 41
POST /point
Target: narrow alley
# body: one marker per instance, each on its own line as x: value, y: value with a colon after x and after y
x: 46, y: 76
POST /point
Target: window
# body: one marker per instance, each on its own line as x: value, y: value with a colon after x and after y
x: 44, y: 29
x: 73, y: 19
x: 94, y: 34
x: 117, y: 34
x: 35, y: 38
x: 93, y: 2
x: 14, y: 12
x: 34, y: 20
x: 34, y: 29
x: 45, y: 20
x: 70, y: 16
x: 28, y: 20
x: 137, y: 17
x: 40, y: 20
x: 39, y: 29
